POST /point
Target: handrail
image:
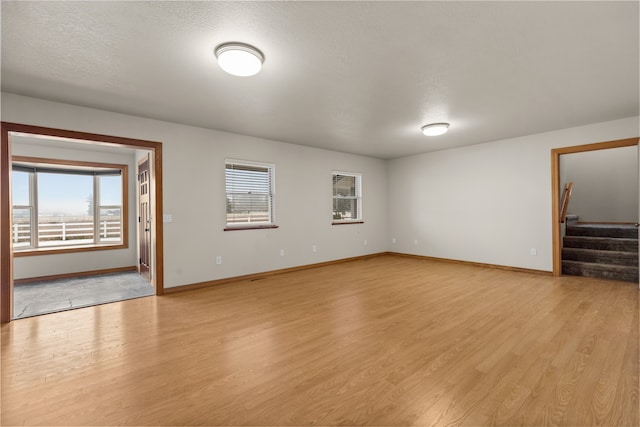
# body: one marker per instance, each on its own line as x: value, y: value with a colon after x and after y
x: 564, y: 201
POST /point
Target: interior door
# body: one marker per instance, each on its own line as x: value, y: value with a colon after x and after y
x: 144, y: 219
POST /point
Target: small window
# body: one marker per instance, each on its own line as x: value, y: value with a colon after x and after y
x: 59, y: 205
x: 250, y: 195
x: 347, y: 197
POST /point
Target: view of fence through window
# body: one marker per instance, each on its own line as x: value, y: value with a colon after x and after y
x: 249, y: 192
x: 62, y: 208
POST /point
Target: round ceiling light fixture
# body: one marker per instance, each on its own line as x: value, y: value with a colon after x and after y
x: 239, y: 59
x: 435, y: 129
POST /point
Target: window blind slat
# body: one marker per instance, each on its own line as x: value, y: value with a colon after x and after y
x: 249, y: 194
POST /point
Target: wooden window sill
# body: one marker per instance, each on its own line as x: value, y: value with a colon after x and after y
x: 66, y: 250
x: 251, y: 227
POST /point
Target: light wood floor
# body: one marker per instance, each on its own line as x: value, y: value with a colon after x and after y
x: 384, y: 341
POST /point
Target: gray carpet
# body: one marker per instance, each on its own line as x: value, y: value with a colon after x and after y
x: 32, y: 299
x: 606, y: 251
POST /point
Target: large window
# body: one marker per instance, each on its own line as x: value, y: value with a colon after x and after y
x: 250, y: 195
x: 62, y: 204
x: 347, y: 197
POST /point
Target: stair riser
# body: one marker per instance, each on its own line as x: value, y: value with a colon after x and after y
x: 603, y: 257
x: 627, y: 233
x: 605, y: 245
x: 582, y: 270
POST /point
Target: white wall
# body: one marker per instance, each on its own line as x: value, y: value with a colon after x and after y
x: 605, y: 184
x: 193, y: 179
x: 46, y: 265
x: 488, y: 203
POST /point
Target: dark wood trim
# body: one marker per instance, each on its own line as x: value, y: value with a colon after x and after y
x: 556, y: 267
x: 618, y: 143
x: 6, y: 274
x: 63, y: 250
x: 555, y: 188
x: 347, y: 222
x: 254, y: 227
x: 475, y: 264
x: 254, y: 276
x: 71, y: 275
x: 81, y: 137
x: 6, y: 257
x: 157, y: 238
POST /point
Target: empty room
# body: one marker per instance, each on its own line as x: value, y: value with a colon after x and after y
x: 319, y: 213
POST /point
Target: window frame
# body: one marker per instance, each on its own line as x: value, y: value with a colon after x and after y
x: 271, y: 167
x: 34, y: 249
x: 358, y: 197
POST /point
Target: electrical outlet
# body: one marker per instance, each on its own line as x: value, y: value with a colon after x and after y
x: 218, y: 260
x: 314, y: 248
x: 393, y: 240
x: 534, y: 252
x: 281, y: 252
x: 415, y: 242
x: 366, y: 242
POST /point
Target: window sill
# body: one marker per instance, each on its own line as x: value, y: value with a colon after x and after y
x: 250, y: 227
x: 347, y: 222
x: 66, y: 250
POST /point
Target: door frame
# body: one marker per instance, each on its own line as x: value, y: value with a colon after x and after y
x: 555, y: 188
x: 6, y: 249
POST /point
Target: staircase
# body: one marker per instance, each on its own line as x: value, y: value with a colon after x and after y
x: 601, y: 250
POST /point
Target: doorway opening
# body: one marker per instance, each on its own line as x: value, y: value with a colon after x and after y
x: 556, y: 183
x: 81, y: 235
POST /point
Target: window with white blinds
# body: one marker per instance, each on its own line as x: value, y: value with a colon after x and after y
x: 250, y: 194
x: 347, y: 197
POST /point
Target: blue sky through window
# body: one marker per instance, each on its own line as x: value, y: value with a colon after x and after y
x: 20, y: 188
x: 68, y: 195
x: 60, y: 194
x: 110, y: 190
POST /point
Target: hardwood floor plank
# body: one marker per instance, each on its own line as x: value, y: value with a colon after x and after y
x: 384, y: 341
x: 628, y: 381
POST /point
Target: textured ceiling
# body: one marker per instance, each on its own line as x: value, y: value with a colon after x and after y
x: 359, y: 77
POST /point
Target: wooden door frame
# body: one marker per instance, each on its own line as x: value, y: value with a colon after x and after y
x: 555, y: 188
x: 6, y: 249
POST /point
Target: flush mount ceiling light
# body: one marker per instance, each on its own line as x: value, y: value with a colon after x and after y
x: 239, y: 59
x: 435, y: 129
